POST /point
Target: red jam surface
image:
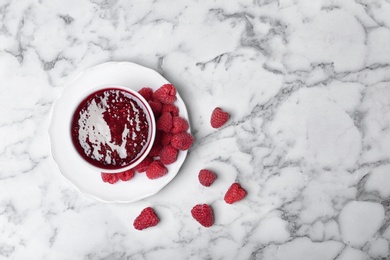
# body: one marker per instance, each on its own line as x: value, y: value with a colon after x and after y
x: 109, y: 128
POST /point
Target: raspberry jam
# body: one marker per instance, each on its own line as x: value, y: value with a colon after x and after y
x: 110, y: 129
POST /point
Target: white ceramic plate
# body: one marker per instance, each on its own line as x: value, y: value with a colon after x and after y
x: 88, y: 181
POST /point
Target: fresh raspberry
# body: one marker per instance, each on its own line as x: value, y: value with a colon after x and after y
x: 155, y: 170
x: 166, y: 138
x: 105, y: 176
x: 156, y: 107
x: 158, y: 136
x: 203, y: 213
x: 218, y: 117
x: 147, y: 93
x: 168, y: 154
x: 182, y: 141
x: 126, y: 175
x: 142, y: 166
x: 234, y: 193
x: 110, y: 177
x: 164, y: 123
x: 206, y: 177
x: 179, y: 125
x: 147, y: 218
x: 155, y: 150
x: 171, y: 108
x: 166, y: 94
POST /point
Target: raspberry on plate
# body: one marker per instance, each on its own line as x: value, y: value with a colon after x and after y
x: 155, y: 151
x: 168, y: 154
x: 126, y: 175
x: 142, y: 166
x: 146, y: 92
x: 147, y: 218
x: 166, y: 94
x: 156, y: 170
x: 156, y: 107
x: 179, y: 125
x: 182, y: 141
x: 171, y: 108
x: 158, y: 136
x: 111, y: 178
x: 203, y: 213
x: 218, y: 117
x: 166, y: 138
x: 206, y: 177
x: 165, y: 122
x: 235, y: 193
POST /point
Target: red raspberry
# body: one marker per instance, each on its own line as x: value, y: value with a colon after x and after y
x: 166, y: 138
x: 203, y: 213
x: 105, y: 176
x: 168, y: 154
x: 234, y: 193
x: 110, y: 177
x: 155, y: 170
x: 166, y: 94
x: 182, y: 141
x: 142, y: 166
x: 218, y: 117
x: 174, y: 110
x: 155, y: 151
x: 158, y: 136
x: 147, y: 93
x: 126, y: 175
x: 206, y: 177
x: 164, y: 123
x: 156, y: 107
x: 179, y: 125
x: 147, y: 218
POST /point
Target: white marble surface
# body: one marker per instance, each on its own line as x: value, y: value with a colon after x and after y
x: 307, y: 84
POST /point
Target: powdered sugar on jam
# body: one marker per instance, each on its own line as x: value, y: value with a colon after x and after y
x: 109, y: 128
